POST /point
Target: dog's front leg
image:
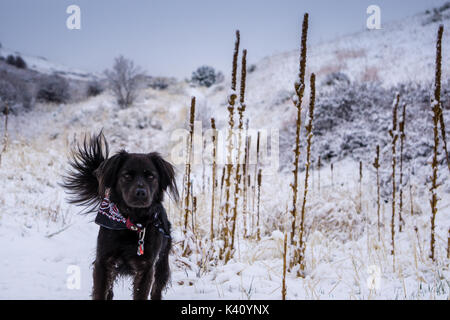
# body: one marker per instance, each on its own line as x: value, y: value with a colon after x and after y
x: 162, y: 271
x: 142, y: 283
x: 103, y: 282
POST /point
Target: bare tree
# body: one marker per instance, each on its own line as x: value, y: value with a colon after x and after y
x: 124, y: 80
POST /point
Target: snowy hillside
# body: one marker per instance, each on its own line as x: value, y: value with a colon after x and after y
x: 43, y: 237
x: 42, y: 65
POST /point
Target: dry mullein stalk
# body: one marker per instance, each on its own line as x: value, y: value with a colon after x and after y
x: 255, y: 182
x: 394, y: 135
x: 5, y: 134
x: 436, y: 109
x: 255, y: 175
x: 221, y: 218
x: 444, y: 139
x: 194, y: 215
x: 237, y: 179
x: 203, y: 168
x: 448, y: 244
x: 411, y: 197
x: 222, y: 180
x: 376, y: 165
x: 401, y: 126
x: 214, y: 179
x: 416, y: 230
x: 258, y: 226
x: 300, y: 252
x: 187, y: 186
x: 246, y: 180
x: 229, y: 165
x: 249, y: 212
x: 298, y: 98
x: 437, y: 90
x: 332, y: 180
x: 283, y: 285
x: 360, y: 185
x: 318, y: 168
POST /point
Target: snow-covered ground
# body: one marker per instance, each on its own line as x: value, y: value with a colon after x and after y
x: 42, y: 237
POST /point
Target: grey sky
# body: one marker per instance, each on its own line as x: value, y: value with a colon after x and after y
x: 173, y: 37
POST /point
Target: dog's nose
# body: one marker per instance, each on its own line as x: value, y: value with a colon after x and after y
x: 141, y: 193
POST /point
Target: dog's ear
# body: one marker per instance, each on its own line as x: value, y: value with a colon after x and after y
x: 107, y: 172
x: 166, y: 174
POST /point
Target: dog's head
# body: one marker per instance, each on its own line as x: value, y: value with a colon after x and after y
x: 137, y: 180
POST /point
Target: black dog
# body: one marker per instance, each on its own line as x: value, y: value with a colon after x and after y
x: 134, y: 237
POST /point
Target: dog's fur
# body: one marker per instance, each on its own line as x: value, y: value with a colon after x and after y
x: 137, y: 183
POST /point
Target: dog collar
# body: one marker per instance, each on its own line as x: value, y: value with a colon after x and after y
x: 109, y: 216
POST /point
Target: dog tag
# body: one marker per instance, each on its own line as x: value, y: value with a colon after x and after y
x: 140, y: 250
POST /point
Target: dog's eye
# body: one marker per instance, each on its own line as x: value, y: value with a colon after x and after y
x: 127, y: 176
x: 149, y: 174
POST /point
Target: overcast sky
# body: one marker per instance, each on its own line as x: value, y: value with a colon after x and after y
x: 173, y: 37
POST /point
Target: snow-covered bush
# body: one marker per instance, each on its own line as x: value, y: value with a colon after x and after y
x: 350, y: 120
x: 204, y: 76
x: 94, y: 89
x: 219, y: 77
x: 336, y: 78
x: 53, y: 89
x: 251, y: 68
x: 20, y: 63
x: 282, y: 96
x: 160, y: 83
x: 10, y: 60
x: 15, y: 92
x: 124, y: 80
x: 346, y: 103
x: 16, y: 61
x: 437, y: 14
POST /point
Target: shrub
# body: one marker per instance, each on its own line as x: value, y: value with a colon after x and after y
x: 251, y: 68
x: 336, y: 78
x: 53, y: 89
x: 437, y: 14
x: 16, y: 61
x: 219, y: 77
x: 20, y: 63
x: 352, y: 119
x: 10, y: 59
x: 204, y: 76
x: 158, y: 83
x: 94, y: 89
x: 124, y: 80
x: 282, y: 96
x: 15, y: 92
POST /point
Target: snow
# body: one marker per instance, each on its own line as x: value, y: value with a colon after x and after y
x: 43, y: 238
x: 35, y: 266
x: 42, y: 65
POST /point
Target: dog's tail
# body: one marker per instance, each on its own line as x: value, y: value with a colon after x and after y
x: 81, y: 181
